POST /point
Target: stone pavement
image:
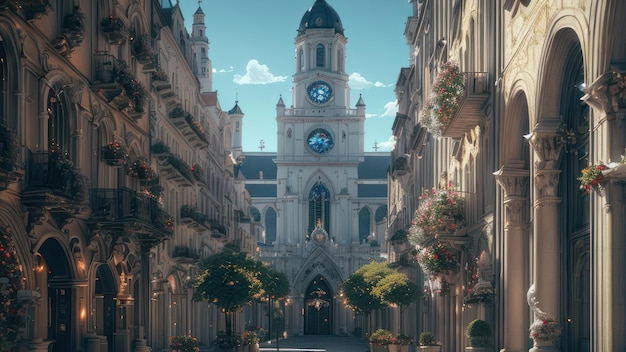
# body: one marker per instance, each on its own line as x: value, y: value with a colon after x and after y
x: 314, y: 343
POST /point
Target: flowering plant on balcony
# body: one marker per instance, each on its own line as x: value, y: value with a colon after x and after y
x: 448, y: 88
x: 437, y: 259
x: 546, y: 330
x: 141, y: 47
x: 9, y: 147
x: 12, y: 313
x: 113, y: 29
x: 140, y: 169
x: 64, y: 175
x: 592, y: 178
x: 197, y: 171
x: 440, y: 211
x: 159, y: 75
x: 184, y: 343
x: 480, y: 293
x: 113, y: 153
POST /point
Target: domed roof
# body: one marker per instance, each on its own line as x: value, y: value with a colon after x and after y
x: 320, y: 15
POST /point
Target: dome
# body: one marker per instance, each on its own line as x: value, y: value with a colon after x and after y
x: 320, y: 15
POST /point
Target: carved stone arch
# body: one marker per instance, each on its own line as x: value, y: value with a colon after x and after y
x: 319, y: 262
x: 317, y: 176
x: 569, y: 32
x: 55, y: 250
x: 175, y: 281
x: 516, y: 124
x: 137, y: 16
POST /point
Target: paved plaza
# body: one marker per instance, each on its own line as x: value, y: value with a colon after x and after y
x: 313, y: 343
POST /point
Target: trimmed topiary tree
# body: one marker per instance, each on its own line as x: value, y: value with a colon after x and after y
x: 479, y: 333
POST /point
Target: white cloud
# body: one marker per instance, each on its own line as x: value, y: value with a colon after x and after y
x: 359, y: 82
x: 387, y: 145
x: 391, y: 108
x: 257, y: 74
x: 223, y: 70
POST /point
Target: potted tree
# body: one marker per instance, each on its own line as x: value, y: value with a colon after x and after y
x: 428, y: 343
x: 380, y: 340
x: 479, y: 333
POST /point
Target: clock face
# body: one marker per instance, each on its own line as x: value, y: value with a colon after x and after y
x: 320, y: 92
x: 320, y: 141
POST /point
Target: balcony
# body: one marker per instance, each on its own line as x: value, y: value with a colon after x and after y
x: 470, y: 104
x: 194, y: 134
x: 173, y: 168
x: 113, y: 30
x: 191, y: 217
x: 53, y: 182
x: 185, y: 255
x: 33, y: 9
x: 126, y: 210
x: 401, y: 166
x: 218, y: 231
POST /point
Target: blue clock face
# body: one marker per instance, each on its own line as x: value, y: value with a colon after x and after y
x: 320, y: 141
x: 320, y: 92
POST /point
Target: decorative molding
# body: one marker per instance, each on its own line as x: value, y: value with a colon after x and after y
x: 607, y: 93
x: 544, y: 141
x: 547, y: 183
x: 514, y: 182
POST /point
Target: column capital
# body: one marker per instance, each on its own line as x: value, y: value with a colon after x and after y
x: 544, y: 141
x: 607, y: 93
x: 513, y: 182
x: 547, y: 183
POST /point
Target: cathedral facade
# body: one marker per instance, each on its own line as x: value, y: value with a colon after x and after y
x: 320, y: 200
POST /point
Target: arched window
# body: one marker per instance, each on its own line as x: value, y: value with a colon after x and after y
x: 365, y: 224
x: 203, y: 51
x: 58, y: 129
x: 320, y: 55
x: 200, y: 32
x: 270, y: 225
x: 301, y: 60
x: 319, y: 207
x: 340, y: 60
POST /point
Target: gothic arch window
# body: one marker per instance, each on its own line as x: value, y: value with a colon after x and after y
x: 319, y: 54
x: 203, y: 51
x: 58, y: 124
x: 319, y: 207
x: 365, y: 224
x: 270, y: 225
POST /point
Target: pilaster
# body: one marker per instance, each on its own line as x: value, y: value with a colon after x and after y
x: 514, y: 183
x: 548, y: 153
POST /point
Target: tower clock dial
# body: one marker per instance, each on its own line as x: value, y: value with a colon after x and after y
x: 319, y: 92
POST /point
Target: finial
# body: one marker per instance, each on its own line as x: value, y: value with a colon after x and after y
x: 261, y: 145
x: 376, y: 147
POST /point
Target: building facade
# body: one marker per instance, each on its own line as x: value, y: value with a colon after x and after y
x: 117, y: 174
x: 541, y: 100
x: 320, y: 200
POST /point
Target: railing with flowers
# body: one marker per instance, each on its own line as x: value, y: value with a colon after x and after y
x: 198, y: 172
x: 115, y: 79
x: 142, y: 50
x: 437, y: 259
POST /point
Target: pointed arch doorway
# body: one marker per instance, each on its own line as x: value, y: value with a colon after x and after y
x: 318, y: 303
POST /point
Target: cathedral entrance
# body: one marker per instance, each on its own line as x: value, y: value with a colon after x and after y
x: 319, y: 308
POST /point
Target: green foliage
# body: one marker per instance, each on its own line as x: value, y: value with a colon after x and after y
x: 9, y: 147
x: 160, y: 148
x: 427, y: 339
x: 441, y: 210
x: 448, y: 88
x: 403, y: 339
x: 357, y: 289
x: 396, y: 288
x: 478, y: 332
x: 438, y: 258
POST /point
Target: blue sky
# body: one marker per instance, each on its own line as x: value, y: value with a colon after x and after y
x: 253, y: 55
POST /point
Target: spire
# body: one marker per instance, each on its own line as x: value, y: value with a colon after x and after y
x: 360, y: 102
x: 280, y: 101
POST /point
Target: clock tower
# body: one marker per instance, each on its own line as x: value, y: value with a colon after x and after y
x: 320, y: 139
x: 319, y: 201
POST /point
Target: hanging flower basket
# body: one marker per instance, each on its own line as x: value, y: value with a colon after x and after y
x: 438, y: 260
x: 592, y: 179
x: 448, y: 88
x: 114, y: 154
x: 141, y: 170
x: 441, y: 211
x: 113, y: 29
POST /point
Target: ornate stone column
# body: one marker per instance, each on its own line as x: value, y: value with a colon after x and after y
x: 546, y: 214
x: 607, y: 96
x: 514, y: 183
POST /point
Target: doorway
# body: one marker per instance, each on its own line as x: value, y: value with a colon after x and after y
x: 318, y: 301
